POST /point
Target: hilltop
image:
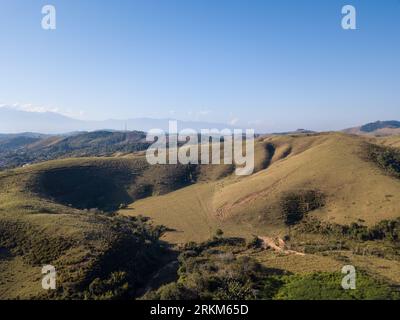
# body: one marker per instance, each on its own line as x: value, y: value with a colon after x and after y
x: 326, y: 196
x: 378, y: 128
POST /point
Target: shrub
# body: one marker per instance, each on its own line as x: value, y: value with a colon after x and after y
x: 219, y: 233
x: 327, y: 286
x: 388, y: 159
x: 232, y: 289
x: 255, y: 243
x: 211, y: 273
x: 171, y: 291
x: 115, y: 287
x: 295, y: 205
x: 385, y: 230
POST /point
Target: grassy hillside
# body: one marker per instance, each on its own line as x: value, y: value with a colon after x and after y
x: 314, y: 203
x: 392, y: 141
x: 333, y: 165
x: 60, y: 213
x: 330, y: 178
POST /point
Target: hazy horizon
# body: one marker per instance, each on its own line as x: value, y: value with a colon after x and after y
x: 272, y: 66
x: 19, y: 120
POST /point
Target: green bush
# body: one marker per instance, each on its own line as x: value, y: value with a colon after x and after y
x: 295, y: 205
x: 212, y: 271
x: 385, y: 230
x: 219, y: 233
x: 172, y: 291
x: 255, y: 242
x: 327, y: 286
x: 234, y: 289
x: 115, y: 287
x: 388, y: 159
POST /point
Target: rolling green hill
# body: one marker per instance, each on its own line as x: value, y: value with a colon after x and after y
x: 314, y: 203
x: 60, y: 213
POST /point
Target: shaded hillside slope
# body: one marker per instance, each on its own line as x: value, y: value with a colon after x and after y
x: 60, y: 213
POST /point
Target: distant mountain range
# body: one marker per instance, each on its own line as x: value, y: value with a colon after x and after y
x: 378, y: 128
x: 17, y: 121
x: 25, y: 148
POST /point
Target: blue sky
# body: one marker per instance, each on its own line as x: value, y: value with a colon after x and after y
x: 270, y: 65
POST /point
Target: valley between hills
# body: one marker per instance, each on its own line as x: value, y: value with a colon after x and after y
x: 116, y: 227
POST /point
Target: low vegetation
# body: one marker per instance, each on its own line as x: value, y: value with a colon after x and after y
x: 36, y: 248
x: 215, y: 270
x: 327, y: 286
x: 385, y: 230
x: 212, y: 270
x: 84, y: 216
x: 381, y: 240
x: 295, y: 205
x: 126, y: 267
x: 388, y: 159
x: 115, y: 266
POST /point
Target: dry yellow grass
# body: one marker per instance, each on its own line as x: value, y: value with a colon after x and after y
x: 392, y: 141
x: 298, y: 264
x: 355, y: 189
x: 241, y: 206
x: 332, y: 163
x: 18, y: 279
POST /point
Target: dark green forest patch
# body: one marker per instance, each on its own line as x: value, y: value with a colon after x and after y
x: 295, y: 205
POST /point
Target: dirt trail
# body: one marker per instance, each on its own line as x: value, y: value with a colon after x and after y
x: 278, y: 245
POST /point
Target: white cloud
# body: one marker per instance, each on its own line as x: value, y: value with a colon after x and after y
x: 28, y: 107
